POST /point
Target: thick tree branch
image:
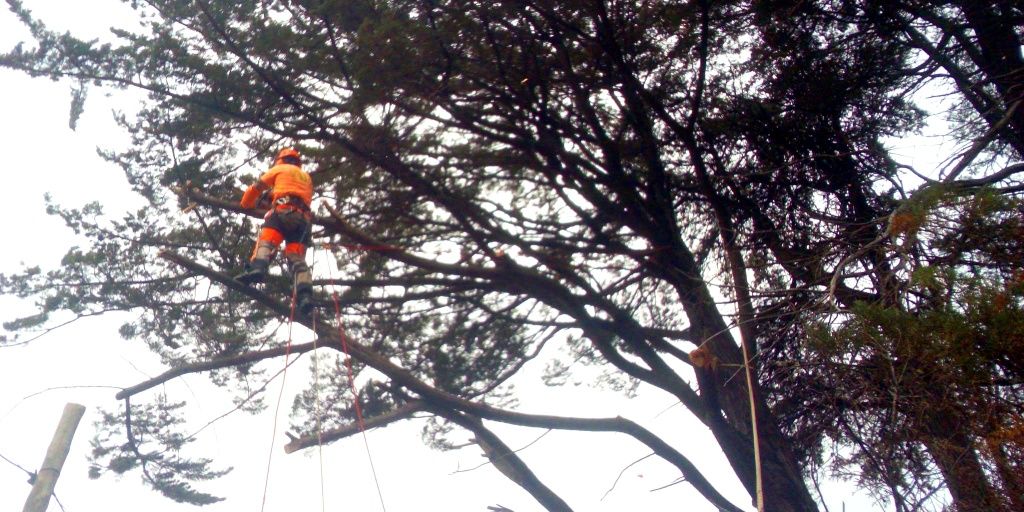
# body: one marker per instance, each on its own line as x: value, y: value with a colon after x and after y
x: 508, y: 462
x: 214, y: 364
x: 403, y: 412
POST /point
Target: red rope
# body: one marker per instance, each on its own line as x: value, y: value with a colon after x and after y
x: 355, y: 396
x: 364, y: 247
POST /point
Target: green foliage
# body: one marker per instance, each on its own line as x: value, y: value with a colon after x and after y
x: 146, y: 439
x: 950, y: 349
x: 27, y: 322
x: 78, y: 96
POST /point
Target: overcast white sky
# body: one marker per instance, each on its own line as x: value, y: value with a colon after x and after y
x: 43, y: 155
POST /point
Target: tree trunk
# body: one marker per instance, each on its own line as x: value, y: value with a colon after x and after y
x: 954, y: 454
x: 1013, y: 480
x: 782, y: 482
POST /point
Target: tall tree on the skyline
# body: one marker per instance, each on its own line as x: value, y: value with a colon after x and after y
x: 698, y: 197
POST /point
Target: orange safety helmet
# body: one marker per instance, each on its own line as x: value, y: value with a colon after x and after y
x: 286, y: 152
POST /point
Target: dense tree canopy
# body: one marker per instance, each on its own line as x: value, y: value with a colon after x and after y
x: 697, y: 195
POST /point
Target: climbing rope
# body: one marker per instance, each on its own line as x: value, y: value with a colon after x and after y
x: 352, y: 384
x: 280, y: 394
x: 318, y: 413
x: 316, y: 398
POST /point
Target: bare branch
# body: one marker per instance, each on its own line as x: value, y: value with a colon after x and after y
x: 214, y: 364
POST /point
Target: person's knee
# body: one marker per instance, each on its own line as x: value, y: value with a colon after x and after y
x: 264, y: 250
x: 296, y: 262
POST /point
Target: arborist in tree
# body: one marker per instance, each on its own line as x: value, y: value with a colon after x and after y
x: 289, y: 220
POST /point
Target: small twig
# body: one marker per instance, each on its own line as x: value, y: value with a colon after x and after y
x: 663, y: 411
x: 817, y: 488
x: 910, y: 168
x: 58, y: 326
x: 531, y: 443
x: 616, y: 482
x: 37, y: 393
x: 56, y: 388
x: 666, y: 486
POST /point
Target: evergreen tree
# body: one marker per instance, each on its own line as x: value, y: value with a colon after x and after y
x: 495, y: 177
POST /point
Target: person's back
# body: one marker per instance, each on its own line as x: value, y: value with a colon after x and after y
x: 288, y: 179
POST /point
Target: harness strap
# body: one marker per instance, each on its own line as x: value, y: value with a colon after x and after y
x: 285, y: 203
x: 292, y: 201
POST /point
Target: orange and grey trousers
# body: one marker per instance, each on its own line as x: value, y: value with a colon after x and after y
x: 289, y: 221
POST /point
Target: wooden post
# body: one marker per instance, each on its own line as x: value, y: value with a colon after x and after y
x: 46, y: 476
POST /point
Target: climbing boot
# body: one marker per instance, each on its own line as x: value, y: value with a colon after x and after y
x: 255, y: 272
x: 304, y: 299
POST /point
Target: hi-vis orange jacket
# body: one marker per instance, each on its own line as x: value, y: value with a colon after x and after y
x: 283, y: 180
